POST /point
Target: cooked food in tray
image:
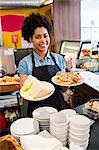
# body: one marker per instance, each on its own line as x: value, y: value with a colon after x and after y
x: 67, y: 78
x: 35, y: 90
x: 93, y: 105
x: 10, y: 80
x: 91, y: 109
x: 7, y: 142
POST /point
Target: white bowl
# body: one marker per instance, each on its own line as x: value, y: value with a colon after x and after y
x: 43, y: 113
x: 83, y: 146
x: 80, y: 138
x: 59, y: 135
x: 77, y: 135
x: 68, y: 112
x: 80, y: 121
x: 59, y: 119
x: 59, y: 130
x: 79, y: 131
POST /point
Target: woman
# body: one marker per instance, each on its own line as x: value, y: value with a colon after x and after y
x: 42, y: 63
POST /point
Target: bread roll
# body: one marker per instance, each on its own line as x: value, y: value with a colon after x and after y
x: 7, y: 79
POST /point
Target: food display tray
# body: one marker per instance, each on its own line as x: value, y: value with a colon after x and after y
x: 91, y: 113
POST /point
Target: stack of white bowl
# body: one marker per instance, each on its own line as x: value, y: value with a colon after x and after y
x: 42, y: 115
x: 24, y: 126
x: 79, y: 131
x: 69, y: 112
x: 59, y: 123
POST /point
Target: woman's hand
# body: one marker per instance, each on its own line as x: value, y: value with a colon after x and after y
x: 70, y: 62
x: 23, y: 77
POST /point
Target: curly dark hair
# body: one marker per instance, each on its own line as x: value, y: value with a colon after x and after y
x: 32, y: 22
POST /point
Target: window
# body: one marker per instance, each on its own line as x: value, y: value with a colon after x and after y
x: 90, y: 20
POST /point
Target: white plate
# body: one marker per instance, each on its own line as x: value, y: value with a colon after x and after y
x: 54, y: 80
x: 24, y: 126
x: 51, y: 86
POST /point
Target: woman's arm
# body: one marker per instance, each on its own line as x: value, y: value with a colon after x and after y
x: 23, y: 77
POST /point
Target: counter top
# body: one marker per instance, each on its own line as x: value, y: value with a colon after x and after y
x: 91, y: 79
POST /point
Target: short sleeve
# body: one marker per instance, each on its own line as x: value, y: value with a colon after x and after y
x: 22, y: 67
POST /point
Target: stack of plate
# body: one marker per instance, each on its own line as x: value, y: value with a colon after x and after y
x: 42, y: 115
x: 79, y: 129
x: 24, y: 126
x: 59, y: 123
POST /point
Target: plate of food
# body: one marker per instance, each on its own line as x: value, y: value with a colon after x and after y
x: 36, y: 90
x: 9, y: 80
x: 67, y: 79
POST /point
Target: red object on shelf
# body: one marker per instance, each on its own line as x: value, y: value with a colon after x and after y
x: 2, y: 121
x: 14, y: 38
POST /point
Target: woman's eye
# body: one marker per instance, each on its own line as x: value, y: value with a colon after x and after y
x: 37, y: 37
x: 45, y: 36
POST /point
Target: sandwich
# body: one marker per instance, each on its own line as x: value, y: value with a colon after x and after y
x: 68, y: 77
x: 34, y: 88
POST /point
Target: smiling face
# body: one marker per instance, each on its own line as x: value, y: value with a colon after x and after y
x: 41, y: 40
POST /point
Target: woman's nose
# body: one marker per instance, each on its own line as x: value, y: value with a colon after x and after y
x: 43, y: 40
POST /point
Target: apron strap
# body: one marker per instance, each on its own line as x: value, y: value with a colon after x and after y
x: 33, y: 62
x: 54, y: 61
x: 53, y: 58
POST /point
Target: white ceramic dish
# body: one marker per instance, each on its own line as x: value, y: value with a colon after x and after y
x: 24, y: 126
x: 79, y: 131
x: 69, y: 112
x: 79, y: 138
x: 79, y: 142
x: 59, y: 119
x: 27, y: 97
x: 80, y: 121
x: 58, y: 130
x: 43, y: 113
x: 76, y: 134
x: 54, y: 80
x: 60, y: 135
x: 83, y: 145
